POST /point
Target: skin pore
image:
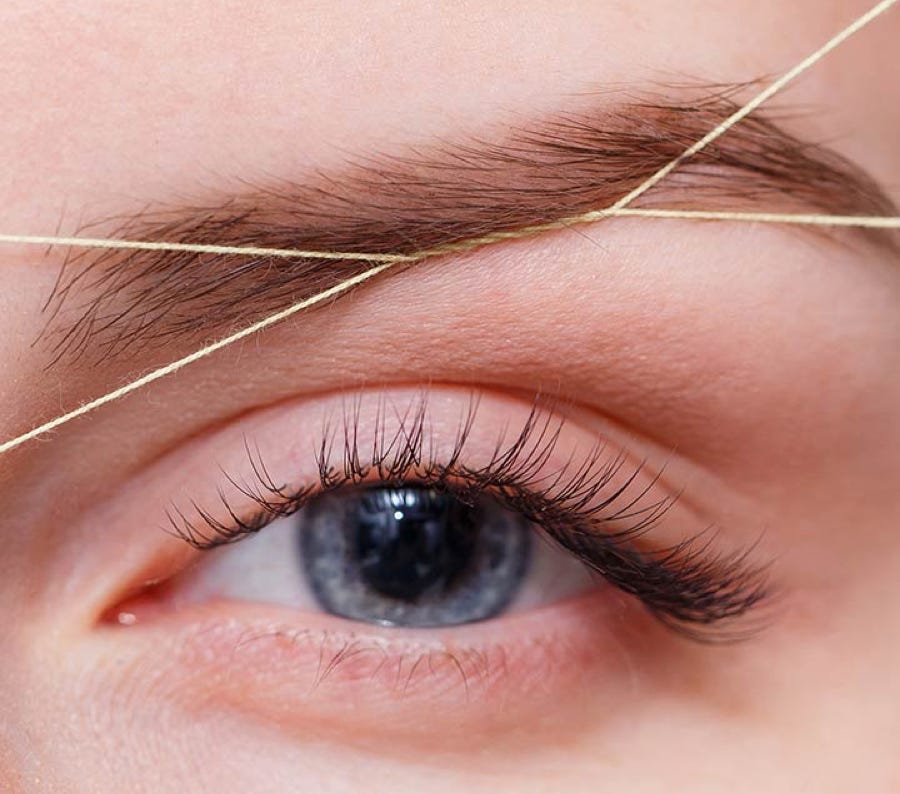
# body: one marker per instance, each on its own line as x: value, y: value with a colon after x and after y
x: 752, y: 368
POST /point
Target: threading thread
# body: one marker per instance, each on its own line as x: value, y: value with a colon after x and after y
x: 199, y: 248
x: 477, y: 242
x: 862, y: 221
x: 804, y: 219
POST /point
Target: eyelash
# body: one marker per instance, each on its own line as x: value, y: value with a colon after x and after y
x: 687, y: 587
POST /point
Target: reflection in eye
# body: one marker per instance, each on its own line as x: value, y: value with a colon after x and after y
x: 402, y: 529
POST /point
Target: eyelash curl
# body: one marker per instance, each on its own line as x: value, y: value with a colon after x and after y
x: 688, y: 587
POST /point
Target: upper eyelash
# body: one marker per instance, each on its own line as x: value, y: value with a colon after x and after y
x: 687, y: 586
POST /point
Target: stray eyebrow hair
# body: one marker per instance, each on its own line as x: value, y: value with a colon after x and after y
x: 114, y: 303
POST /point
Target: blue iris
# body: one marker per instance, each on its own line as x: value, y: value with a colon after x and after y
x: 412, y: 556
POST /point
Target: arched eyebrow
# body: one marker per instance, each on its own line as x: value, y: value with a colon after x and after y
x: 111, y: 303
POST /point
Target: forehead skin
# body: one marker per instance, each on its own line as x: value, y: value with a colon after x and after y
x: 283, y: 86
x: 108, y: 105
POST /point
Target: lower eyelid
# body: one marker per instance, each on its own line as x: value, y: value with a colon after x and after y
x: 335, y: 677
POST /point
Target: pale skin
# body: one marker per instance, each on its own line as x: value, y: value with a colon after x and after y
x: 760, y: 367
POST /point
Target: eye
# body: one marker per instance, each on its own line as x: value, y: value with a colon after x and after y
x: 421, y: 514
x: 413, y: 551
x: 403, y: 556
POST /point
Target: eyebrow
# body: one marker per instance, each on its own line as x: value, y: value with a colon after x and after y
x: 113, y: 303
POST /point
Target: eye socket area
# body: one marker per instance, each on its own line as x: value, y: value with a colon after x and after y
x: 269, y: 655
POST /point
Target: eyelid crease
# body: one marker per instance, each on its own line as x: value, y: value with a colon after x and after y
x: 589, y: 507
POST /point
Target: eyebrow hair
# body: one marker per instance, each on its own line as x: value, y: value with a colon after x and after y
x: 115, y: 302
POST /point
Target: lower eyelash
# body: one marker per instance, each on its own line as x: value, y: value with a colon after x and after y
x: 400, y: 666
x: 689, y: 587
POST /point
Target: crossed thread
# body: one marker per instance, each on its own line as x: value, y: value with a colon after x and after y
x: 620, y: 208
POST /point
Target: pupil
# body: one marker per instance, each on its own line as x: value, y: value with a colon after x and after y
x: 410, y: 541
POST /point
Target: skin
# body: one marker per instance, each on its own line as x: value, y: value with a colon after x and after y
x: 760, y: 366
